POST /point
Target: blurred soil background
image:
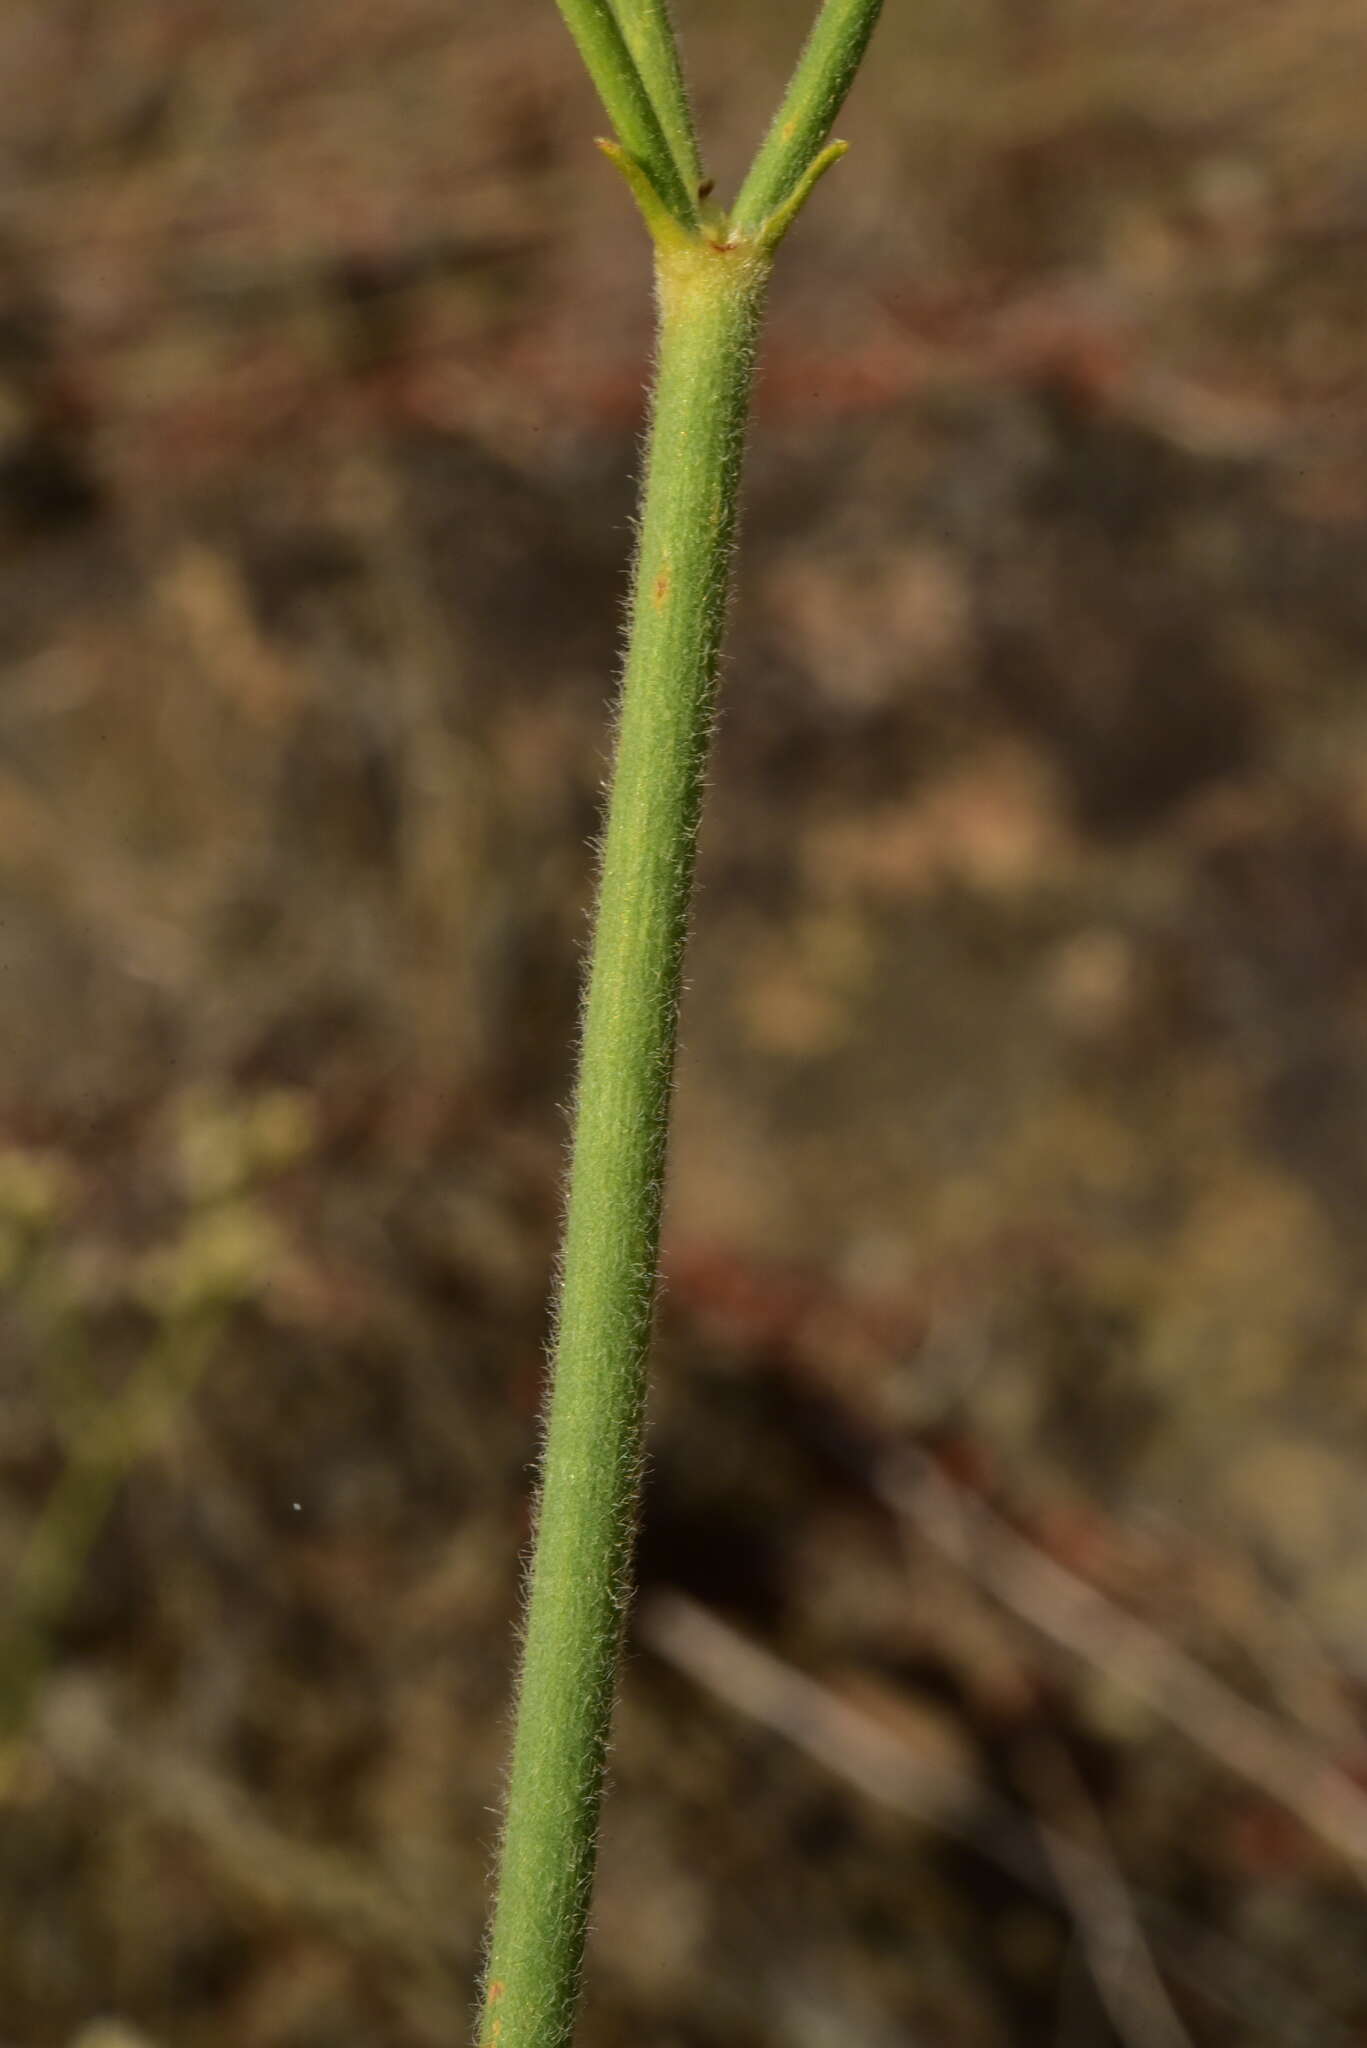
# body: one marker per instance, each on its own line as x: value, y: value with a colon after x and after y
x: 999, y: 1671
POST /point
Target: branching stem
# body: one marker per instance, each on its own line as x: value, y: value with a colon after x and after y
x: 711, y: 276
x: 608, y: 59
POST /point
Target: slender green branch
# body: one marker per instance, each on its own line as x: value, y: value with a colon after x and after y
x: 825, y: 71
x: 650, y: 37
x: 628, y: 103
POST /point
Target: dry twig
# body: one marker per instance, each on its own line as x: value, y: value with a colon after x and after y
x: 858, y: 1749
x: 1034, y: 1587
x: 1108, y: 1926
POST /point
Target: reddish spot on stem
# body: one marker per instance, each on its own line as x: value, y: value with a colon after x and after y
x: 661, y: 590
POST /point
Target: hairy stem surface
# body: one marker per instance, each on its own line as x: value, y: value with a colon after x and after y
x: 711, y: 274
x: 649, y: 36
x: 612, y: 65
x: 710, y: 300
x: 816, y: 92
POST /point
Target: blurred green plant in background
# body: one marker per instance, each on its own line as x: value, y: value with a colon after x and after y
x: 222, y: 1251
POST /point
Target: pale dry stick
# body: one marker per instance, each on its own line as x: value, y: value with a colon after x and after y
x: 855, y: 1748
x: 1074, y: 1615
x: 1124, y: 1972
x: 843, y: 1738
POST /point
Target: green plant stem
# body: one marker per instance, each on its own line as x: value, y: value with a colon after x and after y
x: 711, y: 275
x: 630, y: 106
x: 710, y: 301
x: 69, y: 1524
x: 825, y: 71
x: 650, y: 38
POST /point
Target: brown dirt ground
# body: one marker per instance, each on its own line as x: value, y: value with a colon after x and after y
x: 999, y: 1670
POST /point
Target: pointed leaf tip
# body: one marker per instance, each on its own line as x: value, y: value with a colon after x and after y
x: 663, y: 224
x: 782, y: 218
